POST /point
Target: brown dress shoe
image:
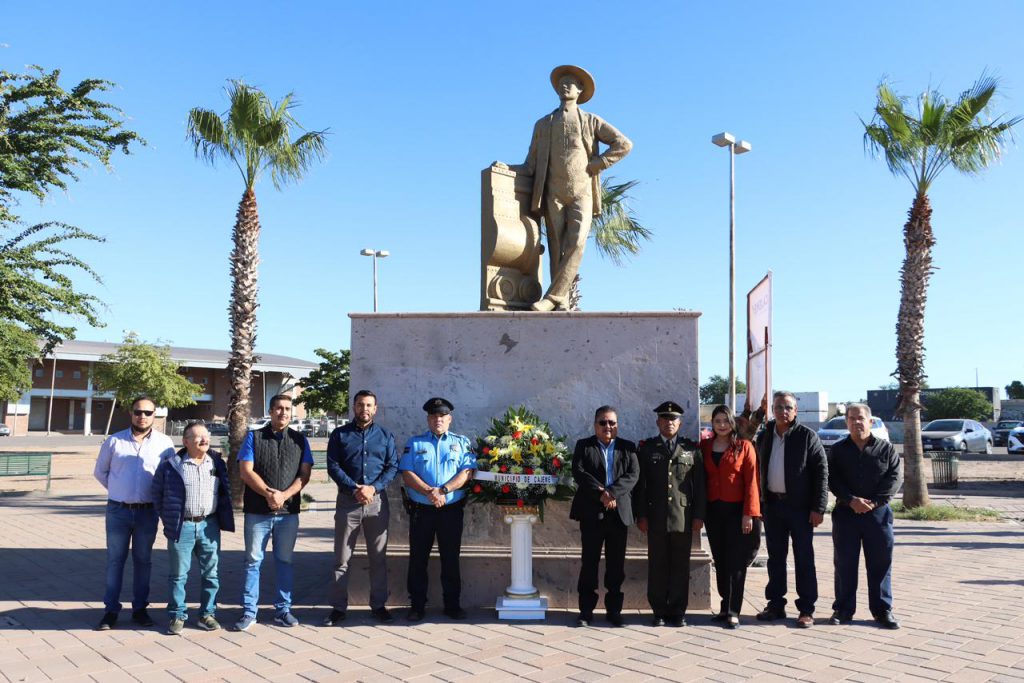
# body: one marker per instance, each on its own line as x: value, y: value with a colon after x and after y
x: 804, y: 621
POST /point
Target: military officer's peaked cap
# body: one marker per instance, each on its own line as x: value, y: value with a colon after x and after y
x: 438, y: 406
x: 669, y: 409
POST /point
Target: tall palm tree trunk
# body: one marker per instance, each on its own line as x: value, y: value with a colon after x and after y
x: 244, y: 262
x: 917, y: 269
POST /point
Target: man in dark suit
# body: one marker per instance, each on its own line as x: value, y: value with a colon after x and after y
x: 794, y: 494
x: 673, y: 463
x: 605, y: 470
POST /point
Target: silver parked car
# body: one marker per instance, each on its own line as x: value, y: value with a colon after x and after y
x: 965, y: 436
x: 4, y: 430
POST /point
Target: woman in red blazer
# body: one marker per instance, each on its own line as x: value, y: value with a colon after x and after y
x: 733, y: 502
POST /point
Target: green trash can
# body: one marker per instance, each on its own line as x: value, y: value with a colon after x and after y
x: 945, y: 467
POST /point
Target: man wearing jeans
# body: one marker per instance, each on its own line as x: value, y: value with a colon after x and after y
x: 794, y: 493
x: 192, y: 496
x: 125, y: 467
x: 361, y: 460
x: 274, y: 463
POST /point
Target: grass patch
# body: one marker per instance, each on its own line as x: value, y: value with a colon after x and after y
x: 943, y: 513
x: 305, y: 501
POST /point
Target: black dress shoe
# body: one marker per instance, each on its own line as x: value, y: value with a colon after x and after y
x: 887, y: 620
x: 141, y: 617
x: 615, y: 620
x: 838, y: 618
x: 732, y: 622
x: 769, y: 614
x: 382, y: 615
x: 676, y: 622
x: 657, y: 621
x: 335, y: 617
x: 108, y: 622
x: 583, y: 621
x: 455, y: 613
x: 414, y: 615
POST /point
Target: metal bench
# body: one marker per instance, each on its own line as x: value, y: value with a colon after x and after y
x: 26, y: 465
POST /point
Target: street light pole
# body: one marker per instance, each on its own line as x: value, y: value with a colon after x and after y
x: 375, y: 253
x: 740, y: 147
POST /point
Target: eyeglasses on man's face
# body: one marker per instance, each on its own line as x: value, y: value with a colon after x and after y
x: 143, y: 413
x: 607, y: 423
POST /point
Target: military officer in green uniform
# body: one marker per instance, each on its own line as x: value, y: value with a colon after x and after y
x: 669, y: 506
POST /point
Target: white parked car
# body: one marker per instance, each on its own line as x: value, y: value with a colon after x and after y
x: 1015, y: 440
x: 4, y: 430
x: 258, y: 423
x: 835, y: 429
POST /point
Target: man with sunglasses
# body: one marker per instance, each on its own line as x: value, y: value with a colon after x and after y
x: 794, y: 494
x: 605, y: 470
x: 125, y: 466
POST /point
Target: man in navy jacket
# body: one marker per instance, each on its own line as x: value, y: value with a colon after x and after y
x: 192, y: 497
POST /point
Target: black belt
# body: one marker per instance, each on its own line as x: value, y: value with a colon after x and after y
x: 200, y: 518
x: 776, y: 496
x: 132, y: 506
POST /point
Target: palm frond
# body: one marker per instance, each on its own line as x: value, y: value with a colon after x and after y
x: 617, y: 231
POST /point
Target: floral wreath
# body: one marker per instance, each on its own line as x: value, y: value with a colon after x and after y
x: 519, y: 462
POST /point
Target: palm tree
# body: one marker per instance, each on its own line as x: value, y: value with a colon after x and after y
x: 919, y: 146
x: 616, y: 231
x: 255, y: 135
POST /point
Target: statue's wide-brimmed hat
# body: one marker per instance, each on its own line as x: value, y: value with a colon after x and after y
x: 586, y: 80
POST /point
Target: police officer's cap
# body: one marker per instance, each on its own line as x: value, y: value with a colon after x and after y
x: 669, y: 409
x: 438, y: 406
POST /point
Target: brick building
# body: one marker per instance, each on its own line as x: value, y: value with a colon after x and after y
x: 63, y: 399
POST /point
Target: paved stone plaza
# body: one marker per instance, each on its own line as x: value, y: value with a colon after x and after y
x: 958, y: 592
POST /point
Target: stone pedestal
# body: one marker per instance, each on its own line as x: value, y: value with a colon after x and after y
x: 560, y: 365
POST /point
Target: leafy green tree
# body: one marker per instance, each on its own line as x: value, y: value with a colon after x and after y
x: 1015, y: 389
x: 325, y: 390
x: 138, y: 368
x: 957, y: 403
x: 919, y: 145
x: 714, y: 391
x: 617, y: 231
x: 256, y: 136
x: 46, y: 135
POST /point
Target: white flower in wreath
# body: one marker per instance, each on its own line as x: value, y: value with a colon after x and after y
x: 505, y: 440
x: 551, y: 489
x: 522, y: 487
x: 515, y: 469
x: 490, y: 439
x: 541, y: 435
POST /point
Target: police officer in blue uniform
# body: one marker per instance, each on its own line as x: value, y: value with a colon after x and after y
x: 434, y: 466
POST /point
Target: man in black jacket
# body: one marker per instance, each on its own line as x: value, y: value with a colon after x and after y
x: 864, y: 473
x: 605, y: 470
x: 794, y: 494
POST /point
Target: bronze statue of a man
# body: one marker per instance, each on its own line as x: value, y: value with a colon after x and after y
x: 565, y: 163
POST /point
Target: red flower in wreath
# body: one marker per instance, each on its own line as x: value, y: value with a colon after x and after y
x: 503, y: 468
x: 517, y: 435
x: 506, y: 488
x: 528, y: 470
x: 486, y: 450
x: 520, y: 503
x: 534, y: 441
x: 477, y: 488
x: 556, y: 463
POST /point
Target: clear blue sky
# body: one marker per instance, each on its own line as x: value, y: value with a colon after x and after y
x: 419, y: 97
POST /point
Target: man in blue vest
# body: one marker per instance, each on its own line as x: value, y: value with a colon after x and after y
x: 274, y: 463
x: 434, y: 467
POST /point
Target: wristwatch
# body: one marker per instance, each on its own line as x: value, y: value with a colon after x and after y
x: 444, y: 489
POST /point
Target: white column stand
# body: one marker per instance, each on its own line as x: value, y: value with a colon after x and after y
x: 521, y: 599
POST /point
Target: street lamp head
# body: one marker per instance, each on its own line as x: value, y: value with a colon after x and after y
x: 383, y: 253
x: 742, y: 147
x: 723, y: 139
x: 367, y: 252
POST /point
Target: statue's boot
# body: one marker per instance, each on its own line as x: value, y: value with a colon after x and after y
x: 543, y: 305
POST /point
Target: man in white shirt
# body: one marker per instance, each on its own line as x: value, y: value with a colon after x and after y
x: 125, y: 467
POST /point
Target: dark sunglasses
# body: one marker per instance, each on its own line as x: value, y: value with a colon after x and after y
x: 607, y: 423
x: 140, y: 413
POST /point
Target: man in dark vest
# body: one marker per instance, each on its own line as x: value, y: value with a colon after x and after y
x: 669, y: 462
x: 274, y: 463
